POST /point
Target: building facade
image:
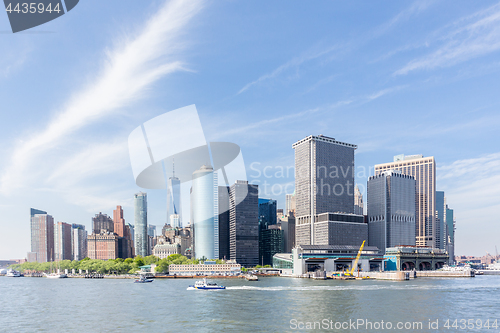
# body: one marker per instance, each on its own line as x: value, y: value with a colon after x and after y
x: 244, y: 223
x: 141, y: 224
x: 174, y: 201
x: 224, y: 223
x: 42, y: 236
x: 205, y: 217
x: 440, y: 220
x: 35, y: 237
x: 206, y: 268
x: 290, y: 204
x: 271, y: 241
x: 102, y: 222
x: 62, y: 241
x: 324, y: 183
x: 423, y: 169
x: 78, y: 242
x: 391, y: 210
x: 358, y: 201
x: 103, y: 246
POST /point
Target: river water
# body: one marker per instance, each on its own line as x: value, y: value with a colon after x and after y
x: 272, y: 304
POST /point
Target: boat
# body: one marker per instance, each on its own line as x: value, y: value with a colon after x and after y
x: 13, y: 273
x: 251, y: 277
x: 204, y: 285
x: 55, y: 276
x: 143, y: 279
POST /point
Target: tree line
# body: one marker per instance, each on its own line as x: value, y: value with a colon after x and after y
x: 111, y: 266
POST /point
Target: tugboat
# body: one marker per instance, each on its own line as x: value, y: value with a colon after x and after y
x: 143, y: 279
x: 204, y: 285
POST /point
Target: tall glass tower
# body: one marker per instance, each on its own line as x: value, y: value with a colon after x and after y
x: 205, y: 208
x: 174, y: 201
x: 141, y: 224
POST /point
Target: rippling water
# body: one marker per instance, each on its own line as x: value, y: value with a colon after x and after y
x: 269, y: 305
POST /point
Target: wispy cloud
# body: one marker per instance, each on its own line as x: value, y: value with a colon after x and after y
x: 383, y: 92
x: 416, y: 8
x: 293, y: 63
x: 470, y: 37
x: 130, y: 68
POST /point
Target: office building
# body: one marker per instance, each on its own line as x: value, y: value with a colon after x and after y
x: 141, y: 224
x: 287, y: 224
x: 440, y: 220
x: 205, y: 216
x: 244, y: 223
x: 42, y: 236
x: 34, y: 234
x: 391, y: 210
x: 102, y: 222
x: 103, y: 246
x: 267, y: 213
x: 78, y: 242
x: 271, y: 241
x: 62, y: 241
x: 358, y: 201
x: 289, y: 204
x: 450, y: 234
x: 324, y: 184
x: 174, y: 201
x: 224, y: 223
x: 423, y: 169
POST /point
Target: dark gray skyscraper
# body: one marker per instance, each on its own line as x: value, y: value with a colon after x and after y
x: 141, y: 224
x: 244, y: 223
x: 440, y: 220
x: 224, y: 222
x: 324, y: 183
x: 391, y: 210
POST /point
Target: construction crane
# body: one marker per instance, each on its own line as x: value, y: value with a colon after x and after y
x: 355, y: 265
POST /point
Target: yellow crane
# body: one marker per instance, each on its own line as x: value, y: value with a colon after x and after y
x: 355, y: 265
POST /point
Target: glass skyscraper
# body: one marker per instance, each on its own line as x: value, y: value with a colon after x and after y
x: 391, y: 210
x: 205, y: 209
x: 141, y: 224
x: 174, y: 202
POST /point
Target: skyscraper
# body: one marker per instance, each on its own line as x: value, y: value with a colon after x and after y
x: 358, y: 201
x: 42, y: 236
x: 267, y: 213
x: 440, y: 220
x: 324, y: 184
x: 62, y: 241
x: 118, y: 221
x: 450, y: 234
x: 224, y: 222
x: 141, y: 224
x: 204, y: 200
x: 391, y: 210
x: 423, y: 169
x: 290, y: 204
x: 34, y: 229
x: 244, y: 223
x: 174, y: 201
x: 78, y: 242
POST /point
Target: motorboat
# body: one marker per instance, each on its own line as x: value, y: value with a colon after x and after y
x: 143, y: 279
x: 13, y: 273
x: 204, y: 285
x: 251, y: 277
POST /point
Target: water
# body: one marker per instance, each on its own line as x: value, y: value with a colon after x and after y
x: 269, y: 305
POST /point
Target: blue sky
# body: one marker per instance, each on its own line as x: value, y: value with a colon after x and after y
x: 390, y: 76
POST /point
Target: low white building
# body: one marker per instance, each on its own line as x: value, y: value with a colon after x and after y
x: 207, y: 268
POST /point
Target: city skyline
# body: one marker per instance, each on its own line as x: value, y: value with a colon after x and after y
x: 416, y: 78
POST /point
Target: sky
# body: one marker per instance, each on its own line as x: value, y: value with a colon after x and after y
x: 392, y: 77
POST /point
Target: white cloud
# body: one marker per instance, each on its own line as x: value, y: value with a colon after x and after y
x: 294, y: 63
x: 471, y: 37
x: 129, y: 70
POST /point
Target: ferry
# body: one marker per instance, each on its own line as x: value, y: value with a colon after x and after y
x: 55, y: 276
x: 13, y: 273
x: 204, y: 285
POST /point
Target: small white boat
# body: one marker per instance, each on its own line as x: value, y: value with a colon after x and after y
x: 204, y: 285
x: 251, y: 277
x: 55, y: 276
x: 13, y: 273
